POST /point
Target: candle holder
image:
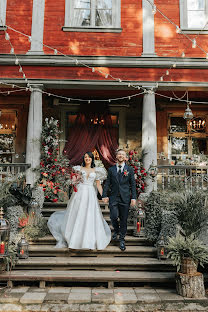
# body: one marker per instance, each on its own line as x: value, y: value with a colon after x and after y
x: 161, y: 249
x: 139, y: 221
x: 4, y: 234
x: 22, y: 248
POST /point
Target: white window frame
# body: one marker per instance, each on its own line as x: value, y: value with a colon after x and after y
x: 184, y: 19
x: 3, y: 5
x: 116, y: 19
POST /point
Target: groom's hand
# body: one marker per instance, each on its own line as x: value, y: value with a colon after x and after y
x: 133, y: 202
x: 105, y: 199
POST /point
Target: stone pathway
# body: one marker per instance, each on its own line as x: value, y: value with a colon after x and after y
x: 73, y: 299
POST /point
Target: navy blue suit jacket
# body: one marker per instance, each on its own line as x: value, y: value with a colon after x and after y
x: 126, y: 187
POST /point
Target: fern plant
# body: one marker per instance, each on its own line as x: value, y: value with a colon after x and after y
x: 180, y: 247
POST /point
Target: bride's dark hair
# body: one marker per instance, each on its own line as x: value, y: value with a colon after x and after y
x: 91, y: 156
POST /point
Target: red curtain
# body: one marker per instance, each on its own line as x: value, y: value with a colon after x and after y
x: 85, y: 136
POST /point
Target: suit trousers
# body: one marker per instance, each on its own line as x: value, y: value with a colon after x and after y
x: 120, y: 210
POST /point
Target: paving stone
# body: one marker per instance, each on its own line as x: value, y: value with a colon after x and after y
x: 105, y: 297
x: 32, y: 298
x: 170, y: 297
x: 57, y: 290
x: 10, y: 298
x: 77, y: 297
x: 149, y: 298
x: 9, y: 307
x: 55, y: 298
x: 120, y: 308
x: 19, y: 290
x: 165, y: 290
x: 32, y: 308
x: 60, y: 308
x: 125, y: 298
x: 81, y: 290
x: 102, y: 290
x: 37, y: 289
x: 142, y: 290
x: 93, y: 308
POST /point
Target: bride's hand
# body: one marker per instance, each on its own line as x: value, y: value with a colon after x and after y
x: 105, y: 199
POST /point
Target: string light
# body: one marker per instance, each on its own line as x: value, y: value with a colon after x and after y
x: 178, y: 30
x: 161, y: 78
x: 7, y: 37
x: 154, y: 9
x: 30, y: 38
x: 183, y: 54
x: 174, y: 65
x: 106, y: 76
x: 12, y: 51
x: 167, y: 72
x: 16, y: 62
x: 93, y: 70
x: 55, y: 51
x: 194, y: 43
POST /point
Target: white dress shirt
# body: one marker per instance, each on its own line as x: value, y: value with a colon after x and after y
x: 122, y: 166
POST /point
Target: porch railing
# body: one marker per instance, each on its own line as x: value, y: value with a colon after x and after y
x: 12, y: 169
x: 188, y: 176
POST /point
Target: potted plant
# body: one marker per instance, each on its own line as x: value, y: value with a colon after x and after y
x: 187, y: 252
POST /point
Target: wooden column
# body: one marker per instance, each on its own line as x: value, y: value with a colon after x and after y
x: 122, y: 127
x: 149, y: 134
x: 34, y: 129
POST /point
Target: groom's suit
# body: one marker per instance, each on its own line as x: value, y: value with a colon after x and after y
x: 122, y: 187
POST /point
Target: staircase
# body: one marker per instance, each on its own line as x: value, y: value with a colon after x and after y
x: 137, y: 265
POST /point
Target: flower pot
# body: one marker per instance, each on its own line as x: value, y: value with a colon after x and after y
x: 188, y: 266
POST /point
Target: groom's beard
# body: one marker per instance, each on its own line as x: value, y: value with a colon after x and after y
x: 120, y: 162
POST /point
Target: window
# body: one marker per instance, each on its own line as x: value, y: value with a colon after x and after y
x: 194, y: 15
x: 92, y: 15
x: 3, y: 4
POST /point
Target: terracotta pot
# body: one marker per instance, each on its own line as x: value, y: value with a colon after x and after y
x: 188, y: 266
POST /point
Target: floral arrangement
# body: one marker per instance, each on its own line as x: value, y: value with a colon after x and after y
x: 139, y: 172
x: 75, y: 179
x: 54, y: 169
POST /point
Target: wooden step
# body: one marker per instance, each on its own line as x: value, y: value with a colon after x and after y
x: 95, y: 263
x: 74, y: 276
x: 130, y: 241
x: 111, y: 250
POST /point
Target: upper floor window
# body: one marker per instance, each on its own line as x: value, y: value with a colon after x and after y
x: 92, y: 15
x: 3, y: 4
x: 194, y: 15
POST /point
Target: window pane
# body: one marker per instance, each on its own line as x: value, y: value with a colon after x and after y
x: 104, y: 4
x: 81, y: 17
x: 178, y: 124
x: 199, y: 146
x: 103, y: 18
x: 196, y: 19
x: 82, y: 4
x: 196, y: 4
x: 179, y: 146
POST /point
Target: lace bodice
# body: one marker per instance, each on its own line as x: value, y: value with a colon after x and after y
x: 98, y: 174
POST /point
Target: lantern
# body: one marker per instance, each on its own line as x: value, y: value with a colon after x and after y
x: 161, y: 250
x: 22, y: 248
x: 34, y: 205
x: 188, y: 115
x: 139, y: 221
x: 4, y: 234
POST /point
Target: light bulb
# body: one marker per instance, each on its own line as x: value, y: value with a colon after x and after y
x: 55, y: 51
x: 138, y: 88
x: 194, y: 43
x: 20, y: 70
x: 109, y: 100
x: 68, y: 99
x: 207, y: 56
x: 7, y: 37
x: 106, y: 76
x: 183, y: 54
x: 89, y: 102
x: 167, y: 72
x: 76, y: 62
x: 161, y: 78
x: 178, y: 30
x: 30, y: 38
x: 16, y: 61
x: 154, y: 9
x: 12, y: 51
x: 119, y: 80
x: 129, y: 85
x: 129, y: 98
x: 174, y: 65
x: 93, y: 70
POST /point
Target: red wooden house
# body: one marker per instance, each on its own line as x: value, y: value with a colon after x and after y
x: 132, y: 65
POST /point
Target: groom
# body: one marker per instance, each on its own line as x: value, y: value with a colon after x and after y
x: 122, y: 186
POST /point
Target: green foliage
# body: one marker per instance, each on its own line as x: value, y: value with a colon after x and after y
x: 169, y: 223
x: 12, y: 258
x: 181, y: 246
x: 191, y: 211
x: 36, y: 227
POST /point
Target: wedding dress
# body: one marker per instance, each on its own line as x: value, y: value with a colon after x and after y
x: 81, y: 225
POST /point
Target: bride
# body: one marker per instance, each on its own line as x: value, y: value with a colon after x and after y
x: 81, y: 225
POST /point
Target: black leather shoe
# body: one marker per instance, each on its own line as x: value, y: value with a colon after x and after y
x: 115, y: 237
x: 122, y: 246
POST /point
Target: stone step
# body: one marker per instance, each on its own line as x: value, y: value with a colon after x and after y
x: 75, y: 276
x: 111, y: 251
x: 46, y: 212
x: 130, y: 241
x: 95, y: 263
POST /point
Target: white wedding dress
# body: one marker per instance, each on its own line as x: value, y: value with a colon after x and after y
x: 81, y: 225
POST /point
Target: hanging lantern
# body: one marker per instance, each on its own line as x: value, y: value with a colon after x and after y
x: 153, y: 170
x: 22, y: 248
x: 161, y: 250
x: 34, y: 205
x: 139, y: 221
x: 4, y: 234
x: 188, y: 115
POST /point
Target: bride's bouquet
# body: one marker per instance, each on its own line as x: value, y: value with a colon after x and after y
x: 75, y: 179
